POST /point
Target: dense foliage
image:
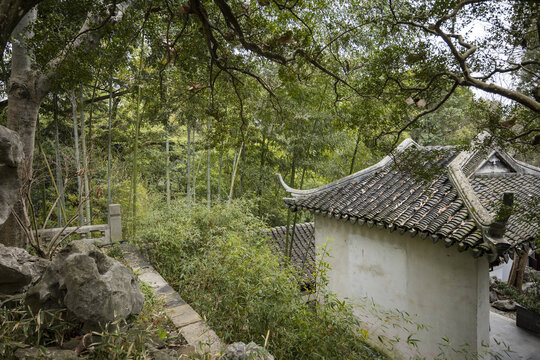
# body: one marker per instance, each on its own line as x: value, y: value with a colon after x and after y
x: 219, y: 261
x: 207, y: 100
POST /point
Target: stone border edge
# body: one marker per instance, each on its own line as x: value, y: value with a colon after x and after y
x: 189, y: 323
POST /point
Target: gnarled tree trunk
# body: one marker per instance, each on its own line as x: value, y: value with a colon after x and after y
x: 26, y: 90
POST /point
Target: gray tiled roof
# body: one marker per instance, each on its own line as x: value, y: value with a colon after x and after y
x: 394, y: 196
x: 303, y: 246
x: 527, y: 190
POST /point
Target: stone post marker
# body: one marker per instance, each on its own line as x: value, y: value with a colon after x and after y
x: 115, y: 223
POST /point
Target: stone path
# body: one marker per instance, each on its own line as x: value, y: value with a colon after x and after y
x: 188, y: 321
x: 504, y: 333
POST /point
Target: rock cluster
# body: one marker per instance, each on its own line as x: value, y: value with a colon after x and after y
x: 95, y: 288
x: 504, y: 305
x: 18, y: 269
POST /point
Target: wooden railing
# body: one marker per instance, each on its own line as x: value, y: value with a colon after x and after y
x: 109, y: 233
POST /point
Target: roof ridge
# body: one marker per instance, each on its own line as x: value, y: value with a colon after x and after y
x: 460, y: 177
x: 405, y: 144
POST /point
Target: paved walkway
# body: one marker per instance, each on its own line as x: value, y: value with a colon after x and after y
x: 504, y: 334
x: 199, y: 336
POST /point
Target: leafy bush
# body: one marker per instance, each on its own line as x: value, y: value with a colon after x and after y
x: 219, y: 262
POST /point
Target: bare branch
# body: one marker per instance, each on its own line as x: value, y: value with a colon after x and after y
x: 399, y: 132
x: 528, y: 132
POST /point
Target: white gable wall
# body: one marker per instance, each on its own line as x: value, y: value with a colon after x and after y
x: 439, y: 287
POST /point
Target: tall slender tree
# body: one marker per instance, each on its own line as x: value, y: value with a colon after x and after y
x: 84, y: 159
x: 77, y: 157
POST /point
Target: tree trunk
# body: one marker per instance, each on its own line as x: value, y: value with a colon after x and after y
x: 288, y: 240
x: 355, y: 152
x: 26, y: 90
x: 77, y: 161
x: 59, y: 181
x: 195, y: 174
x: 91, y: 115
x: 42, y: 205
x: 84, y: 161
x: 208, y: 184
x: 295, y: 219
x: 109, y: 148
x: 135, y: 170
x: 518, y: 270
x: 135, y: 173
x: 188, y: 185
x: 167, y: 163
x: 220, y: 170
x: 241, y: 160
x: 235, y: 168
x: 261, y: 169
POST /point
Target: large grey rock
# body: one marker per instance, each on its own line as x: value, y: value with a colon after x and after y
x: 504, y: 305
x: 11, y: 155
x: 18, y: 269
x: 531, y: 288
x: 11, y: 149
x: 531, y: 275
x: 251, y: 351
x: 95, y: 288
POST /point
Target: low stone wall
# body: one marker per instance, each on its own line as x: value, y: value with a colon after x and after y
x: 199, y: 336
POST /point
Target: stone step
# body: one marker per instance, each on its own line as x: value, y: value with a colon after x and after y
x: 200, y: 338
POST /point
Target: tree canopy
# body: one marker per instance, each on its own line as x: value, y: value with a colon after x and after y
x: 209, y: 99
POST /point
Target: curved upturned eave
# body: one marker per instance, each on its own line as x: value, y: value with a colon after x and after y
x: 528, y: 168
x: 295, y: 193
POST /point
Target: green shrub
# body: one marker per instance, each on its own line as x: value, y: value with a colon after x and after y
x: 530, y: 301
x: 218, y: 261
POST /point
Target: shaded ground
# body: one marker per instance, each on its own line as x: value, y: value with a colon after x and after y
x: 504, y: 333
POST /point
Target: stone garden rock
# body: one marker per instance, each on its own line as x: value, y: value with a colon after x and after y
x: 11, y: 155
x: 161, y: 353
x: 95, y: 288
x: 529, y: 287
x: 18, y: 269
x: 251, y: 351
x: 504, y: 305
x: 493, y: 296
x: 531, y: 275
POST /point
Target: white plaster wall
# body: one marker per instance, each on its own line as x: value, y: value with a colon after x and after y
x: 502, y: 272
x: 439, y: 287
